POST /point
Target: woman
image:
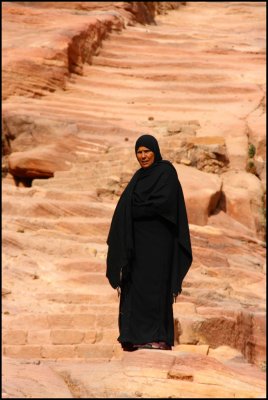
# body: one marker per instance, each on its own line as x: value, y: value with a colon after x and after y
x: 149, y: 250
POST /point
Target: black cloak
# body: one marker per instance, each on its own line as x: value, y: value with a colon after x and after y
x: 149, y: 250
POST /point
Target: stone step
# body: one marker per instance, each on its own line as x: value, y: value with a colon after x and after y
x: 71, y: 306
x: 111, y: 163
x: 61, y: 321
x: 130, y: 38
x: 100, y: 78
x: 122, y: 92
x: 98, y: 226
x: 122, y: 53
x: 79, y: 308
x: 81, y: 279
x: 62, y: 242
x: 136, y: 111
x: 118, y: 54
x: 80, y: 351
x: 53, y: 194
x: 117, y: 98
x: 94, y: 300
x: 89, y: 125
x: 50, y: 306
x: 74, y: 336
x: 56, y: 243
x: 88, y: 264
x: 67, y: 184
x: 103, y: 300
x: 51, y: 208
x: 166, y: 76
x: 132, y: 62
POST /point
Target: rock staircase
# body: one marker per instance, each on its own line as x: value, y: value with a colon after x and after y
x: 73, y: 311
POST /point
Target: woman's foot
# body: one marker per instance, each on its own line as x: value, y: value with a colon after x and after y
x: 164, y: 346
x: 153, y: 345
x: 127, y: 346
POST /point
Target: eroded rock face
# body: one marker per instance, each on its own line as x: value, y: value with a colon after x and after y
x: 66, y: 47
x: 61, y: 48
x: 37, y: 163
x: 243, y: 199
x: 202, y: 200
x: 75, y: 100
x: 205, y: 153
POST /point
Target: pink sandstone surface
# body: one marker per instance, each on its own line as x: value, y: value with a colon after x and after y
x: 81, y: 81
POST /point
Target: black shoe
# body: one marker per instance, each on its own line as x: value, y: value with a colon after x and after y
x: 128, y: 346
x: 164, y: 346
x: 152, y: 345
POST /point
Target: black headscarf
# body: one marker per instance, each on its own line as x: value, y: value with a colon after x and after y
x: 151, y: 143
x: 162, y: 195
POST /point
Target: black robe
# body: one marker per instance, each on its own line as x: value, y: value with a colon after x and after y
x: 149, y: 253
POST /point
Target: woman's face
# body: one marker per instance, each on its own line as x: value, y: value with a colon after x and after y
x: 145, y: 156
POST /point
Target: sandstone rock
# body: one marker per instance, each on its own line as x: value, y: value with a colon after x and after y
x: 223, y: 220
x: 200, y: 349
x: 184, y: 308
x: 181, y: 373
x: 5, y: 291
x: 257, y: 130
x: 188, y: 329
x: 183, y: 128
x: 223, y: 353
x: 36, y: 163
x: 26, y: 132
x: 205, y: 153
x: 14, y: 337
x: 39, y: 337
x: 33, y: 380
x: 257, y: 339
x: 54, y: 63
x: 260, y: 167
x: 240, y: 328
x: 212, y: 258
x: 23, y: 351
x: 104, y: 193
x: 151, y: 364
x: 248, y: 189
x: 201, y: 199
x: 237, y: 147
x: 64, y: 336
x: 141, y: 12
x: 66, y: 55
x: 185, y: 161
